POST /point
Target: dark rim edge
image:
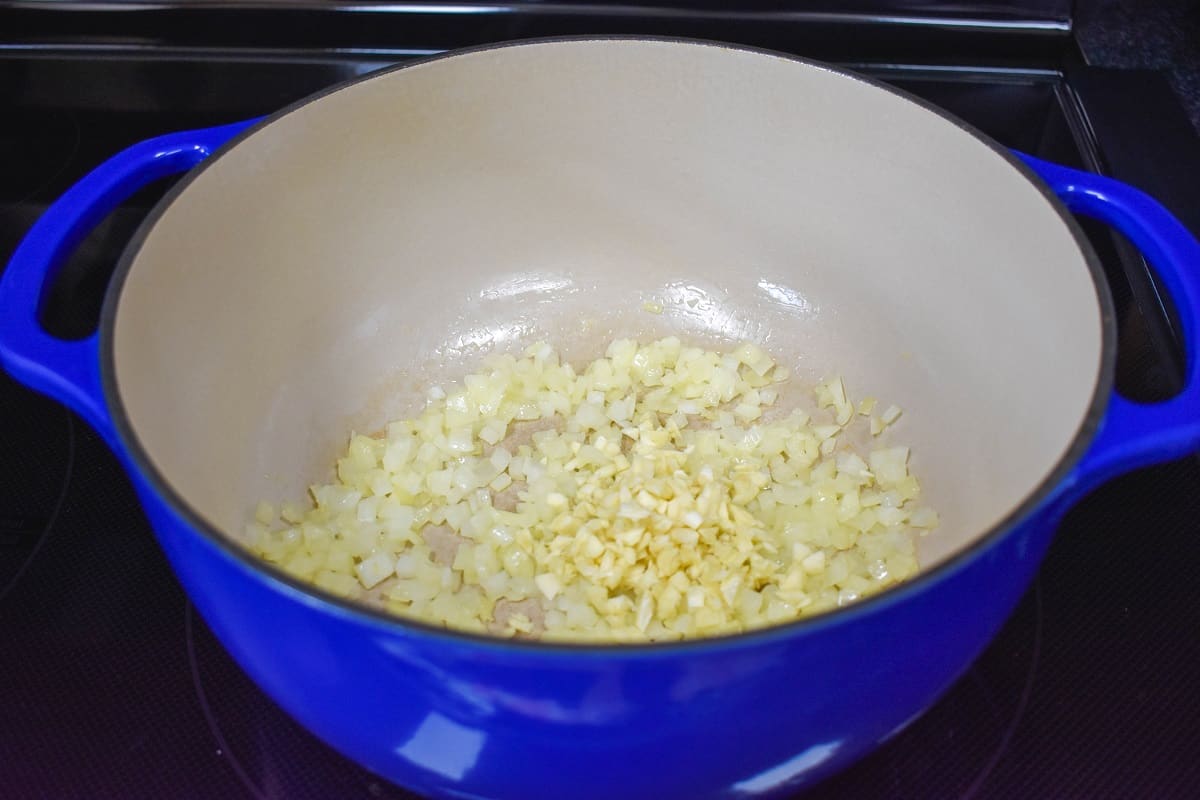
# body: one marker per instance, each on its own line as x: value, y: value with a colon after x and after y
x: 246, y: 560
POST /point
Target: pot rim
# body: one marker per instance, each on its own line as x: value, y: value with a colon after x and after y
x: 392, y: 624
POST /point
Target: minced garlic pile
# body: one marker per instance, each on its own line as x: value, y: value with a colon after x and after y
x: 645, y: 498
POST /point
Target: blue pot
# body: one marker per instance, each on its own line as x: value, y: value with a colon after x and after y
x: 458, y: 715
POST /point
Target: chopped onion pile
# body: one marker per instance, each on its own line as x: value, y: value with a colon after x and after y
x: 645, y: 498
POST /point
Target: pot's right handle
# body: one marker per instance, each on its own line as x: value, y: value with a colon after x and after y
x: 1136, y: 434
x: 69, y: 371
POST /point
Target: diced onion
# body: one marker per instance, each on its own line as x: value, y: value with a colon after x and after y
x: 654, y: 500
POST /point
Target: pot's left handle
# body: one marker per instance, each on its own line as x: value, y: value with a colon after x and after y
x: 69, y: 371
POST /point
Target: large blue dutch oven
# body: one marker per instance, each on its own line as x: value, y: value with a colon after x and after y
x: 316, y: 269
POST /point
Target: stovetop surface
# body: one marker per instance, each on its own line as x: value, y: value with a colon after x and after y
x: 112, y: 686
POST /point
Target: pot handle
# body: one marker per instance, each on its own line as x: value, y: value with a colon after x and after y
x: 69, y: 371
x: 1133, y: 434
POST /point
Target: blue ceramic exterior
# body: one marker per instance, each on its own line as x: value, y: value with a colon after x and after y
x: 456, y: 716
x: 745, y: 717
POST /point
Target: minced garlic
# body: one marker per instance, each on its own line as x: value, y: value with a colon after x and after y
x: 653, y: 502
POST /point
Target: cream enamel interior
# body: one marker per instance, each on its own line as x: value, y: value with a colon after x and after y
x: 321, y: 274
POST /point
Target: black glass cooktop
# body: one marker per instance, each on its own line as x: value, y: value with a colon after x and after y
x: 111, y: 685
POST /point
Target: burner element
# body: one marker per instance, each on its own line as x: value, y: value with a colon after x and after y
x: 270, y: 753
x: 28, y: 525
x: 954, y: 748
